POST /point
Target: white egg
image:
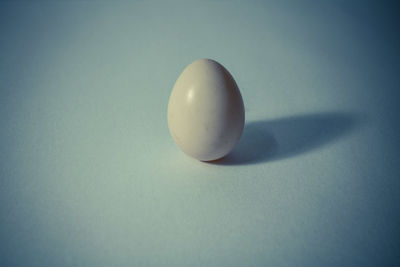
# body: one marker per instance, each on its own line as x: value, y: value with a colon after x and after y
x: 206, y: 111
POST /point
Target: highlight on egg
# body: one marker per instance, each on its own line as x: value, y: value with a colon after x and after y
x: 205, y: 111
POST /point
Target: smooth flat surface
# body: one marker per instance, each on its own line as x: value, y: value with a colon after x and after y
x: 89, y: 175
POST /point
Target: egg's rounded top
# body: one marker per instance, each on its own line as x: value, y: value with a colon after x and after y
x: 205, y: 110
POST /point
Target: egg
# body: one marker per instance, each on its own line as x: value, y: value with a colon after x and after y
x: 206, y: 111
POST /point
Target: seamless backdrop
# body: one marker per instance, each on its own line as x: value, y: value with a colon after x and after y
x: 89, y: 175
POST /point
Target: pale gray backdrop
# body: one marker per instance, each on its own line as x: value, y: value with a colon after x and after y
x: 89, y: 175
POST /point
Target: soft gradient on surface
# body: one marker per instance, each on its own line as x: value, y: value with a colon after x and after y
x: 89, y: 175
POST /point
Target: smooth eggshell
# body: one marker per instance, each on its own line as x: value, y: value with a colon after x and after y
x: 206, y: 111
